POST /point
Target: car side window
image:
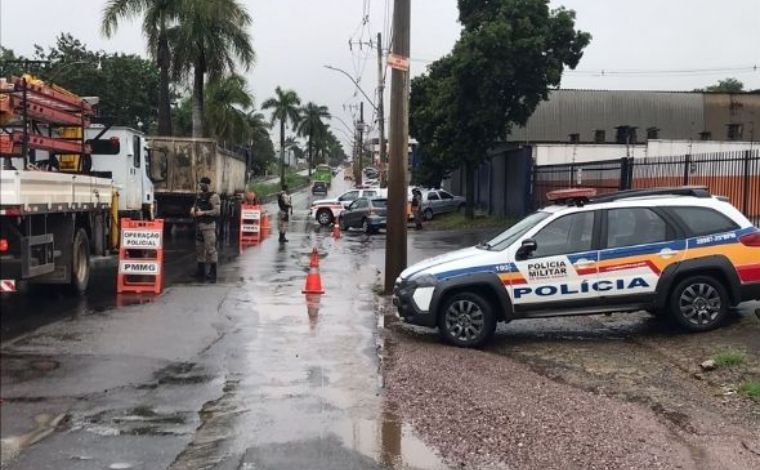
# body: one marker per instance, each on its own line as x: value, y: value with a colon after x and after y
x: 445, y: 195
x: 433, y: 197
x: 349, y: 196
x: 572, y: 233
x: 704, y: 221
x: 635, y: 226
x: 360, y: 204
x: 370, y: 193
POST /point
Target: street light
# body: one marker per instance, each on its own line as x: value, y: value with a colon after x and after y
x: 371, y: 103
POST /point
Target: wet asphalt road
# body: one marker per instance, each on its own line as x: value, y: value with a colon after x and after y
x: 248, y: 373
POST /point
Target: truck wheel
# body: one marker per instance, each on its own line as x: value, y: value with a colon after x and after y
x: 699, y: 303
x: 466, y: 320
x: 80, y: 262
x: 428, y: 214
x: 324, y: 217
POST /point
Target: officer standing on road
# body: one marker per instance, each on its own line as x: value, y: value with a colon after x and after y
x: 417, y: 208
x: 285, y: 203
x: 206, y: 209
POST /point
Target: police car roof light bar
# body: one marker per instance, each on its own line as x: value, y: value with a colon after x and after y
x: 571, y: 196
x: 693, y: 191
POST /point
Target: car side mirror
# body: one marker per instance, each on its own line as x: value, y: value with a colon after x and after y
x: 528, y: 246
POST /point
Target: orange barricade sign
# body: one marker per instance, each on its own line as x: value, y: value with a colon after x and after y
x: 250, y: 225
x: 141, y: 256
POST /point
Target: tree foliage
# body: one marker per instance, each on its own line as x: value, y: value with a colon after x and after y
x: 210, y: 37
x: 510, y: 53
x: 728, y: 85
x: 285, y: 106
x: 126, y: 84
x: 157, y: 17
x: 312, y: 127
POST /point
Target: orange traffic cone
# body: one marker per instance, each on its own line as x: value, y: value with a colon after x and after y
x: 313, y: 282
x: 265, y: 228
x: 314, y: 263
x: 336, y: 230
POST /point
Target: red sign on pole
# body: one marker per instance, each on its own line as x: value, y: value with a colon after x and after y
x: 398, y: 62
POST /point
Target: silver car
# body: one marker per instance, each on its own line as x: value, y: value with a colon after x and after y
x: 438, y: 201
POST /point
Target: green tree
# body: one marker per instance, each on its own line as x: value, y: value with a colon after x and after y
x: 510, y: 54
x: 111, y: 77
x: 262, y: 148
x: 311, y: 125
x: 729, y: 85
x: 210, y: 37
x: 157, y: 16
x: 227, y: 102
x: 285, y: 108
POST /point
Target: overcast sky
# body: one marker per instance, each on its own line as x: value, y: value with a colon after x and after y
x: 642, y: 44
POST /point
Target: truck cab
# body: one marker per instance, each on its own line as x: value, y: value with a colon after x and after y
x: 128, y: 168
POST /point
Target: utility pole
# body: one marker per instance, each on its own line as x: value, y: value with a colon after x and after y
x: 360, y: 128
x: 381, y: 110
x: 395, y: 246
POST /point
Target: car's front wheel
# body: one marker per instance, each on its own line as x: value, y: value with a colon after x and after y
x: 466, y: 320
x: 428, y: 214
x: 699, y: 303
x: 324, y: 217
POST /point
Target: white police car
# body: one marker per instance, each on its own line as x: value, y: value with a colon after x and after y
x: 670, y: 251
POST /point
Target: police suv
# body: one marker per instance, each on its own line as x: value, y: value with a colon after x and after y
x: 677, y: 252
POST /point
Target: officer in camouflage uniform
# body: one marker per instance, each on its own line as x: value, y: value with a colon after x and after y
x: 206, y: 209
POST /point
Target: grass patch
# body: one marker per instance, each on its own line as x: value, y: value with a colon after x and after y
x: 292, y: 179
x: 457, y: 221
x: 751, y: 389
x: 729, y: 358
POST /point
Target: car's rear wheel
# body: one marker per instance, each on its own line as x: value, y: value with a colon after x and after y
x: 428, y: 214
x: 466, y: 320
x: 699, y: 303
x: 324, y: 217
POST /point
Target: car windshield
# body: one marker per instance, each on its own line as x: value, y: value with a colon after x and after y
x: 507, y: 237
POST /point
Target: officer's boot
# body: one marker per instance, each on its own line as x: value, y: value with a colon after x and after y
x: 200, y: 273
x: 212, y: 273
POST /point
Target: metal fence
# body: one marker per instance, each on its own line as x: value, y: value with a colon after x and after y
x: 735, y: 175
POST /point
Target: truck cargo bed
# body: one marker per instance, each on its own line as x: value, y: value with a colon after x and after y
x: 43, y: 191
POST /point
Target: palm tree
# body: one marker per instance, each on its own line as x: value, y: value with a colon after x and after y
x: 284, y: 106
x: 157, y: 16
x: 312, y: 124
x: 211, y: 35
x: 227, y: 101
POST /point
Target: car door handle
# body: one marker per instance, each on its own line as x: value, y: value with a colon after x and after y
x: 667, y: 253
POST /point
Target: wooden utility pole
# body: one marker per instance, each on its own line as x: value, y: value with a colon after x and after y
x: 381, y: 109
x: 395, y: 246
x: 360, y: 128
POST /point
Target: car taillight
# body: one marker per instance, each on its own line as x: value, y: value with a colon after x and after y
x: 751, y: 239
x: 3, y: 245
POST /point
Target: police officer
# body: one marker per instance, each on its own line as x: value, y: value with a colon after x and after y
x: 417, y: 208
x: 206, y: 209
x: 285, y: 203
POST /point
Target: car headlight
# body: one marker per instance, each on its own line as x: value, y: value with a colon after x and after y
x: 424, y: 280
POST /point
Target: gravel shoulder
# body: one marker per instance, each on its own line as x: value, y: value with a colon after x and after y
x: 593, y: 392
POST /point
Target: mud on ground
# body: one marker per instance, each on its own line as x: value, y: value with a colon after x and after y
x: 619, y: 391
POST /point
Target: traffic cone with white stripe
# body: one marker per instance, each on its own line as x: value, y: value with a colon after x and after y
x: 314, y: 262
x: 313, y: 282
